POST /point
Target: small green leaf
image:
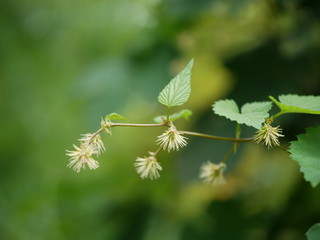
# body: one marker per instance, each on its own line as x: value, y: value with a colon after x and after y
x: 178, y: 90
x: 298, y: 104
x: 314, y: 232
x: 306, y: 151
x: 114, y: 116
x: 185, y: 113
x: 252, y: 114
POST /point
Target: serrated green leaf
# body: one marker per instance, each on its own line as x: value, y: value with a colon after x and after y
x: 115, y: 116
x: 306, y: 151
x: 298, y: 104
x: 185, y: 113
x: 252, y: 114
x: 314, y: 232
x: 178, y: 90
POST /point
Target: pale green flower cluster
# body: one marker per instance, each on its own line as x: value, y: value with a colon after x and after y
x: 90, y: 144
x: 94, y: 141
x: 268, y: 135
x: 213, y: 173
x: 148, y: 167
x: 82, y: 156
x: 172, y: 139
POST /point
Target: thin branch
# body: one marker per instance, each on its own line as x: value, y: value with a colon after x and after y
x: 167, y: 123
x: 156, y: 152
x: 232, y: 149
x: 278, y: 115
x: 216, y: 137
x: 283, y: 148
x: 139, y: 124
x: 96, y: 133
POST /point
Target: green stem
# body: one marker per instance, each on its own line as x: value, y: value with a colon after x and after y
x: 238, y: 130
x: 232, y: 149
x: 238, y: 133
x: 95, y: 134
x: 167, y: 123
x: 168, y: 114
x: 216, y: 137
x: 283, y: 148
x: 139, y: 124
x: 156, y: 152
x: 278, y: 115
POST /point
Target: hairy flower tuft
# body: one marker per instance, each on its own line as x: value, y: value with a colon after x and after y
x: 148, y: 167
x: 213, y: 173
x: 172, y: 139
x: 268, y: 135
x: 94, y: 141
x: 81, y: 156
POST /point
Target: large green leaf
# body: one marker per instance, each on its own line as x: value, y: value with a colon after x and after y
x: 185, y: 113
x: 178, y: 90
x: 314, y: 232
x: 306, y: 151
x: 252, y: 114
x: 298, y: 104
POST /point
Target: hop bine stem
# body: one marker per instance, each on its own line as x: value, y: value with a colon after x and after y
x: 231, y: 150
x: 283, y: 148
x: 167, y: 124
x: 158, y: 150
x: 217, y: 137
x: 148, y: 167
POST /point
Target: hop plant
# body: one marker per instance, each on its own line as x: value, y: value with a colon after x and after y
x: 213, y: 173
x: 255, y: 114
x: 172, y: 139
x: 94, y: 141
x: 148, y: 167
x: 81, y: 157
x: 268, y: 135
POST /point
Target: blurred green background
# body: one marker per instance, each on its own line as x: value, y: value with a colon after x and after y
x: 64, y: 64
